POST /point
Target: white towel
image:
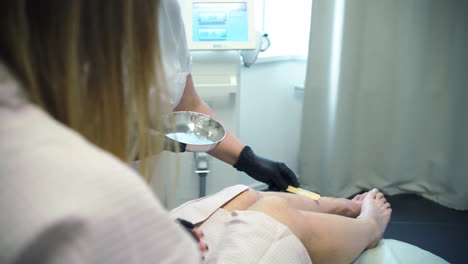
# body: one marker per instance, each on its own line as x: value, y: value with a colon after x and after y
x: 241, y: 236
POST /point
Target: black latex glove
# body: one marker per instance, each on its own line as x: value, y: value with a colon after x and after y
x: 276, y: 174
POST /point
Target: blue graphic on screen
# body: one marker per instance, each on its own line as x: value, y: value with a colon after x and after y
x: 220, y: 22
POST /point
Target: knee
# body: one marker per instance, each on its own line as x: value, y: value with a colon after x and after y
x: 250, y: 196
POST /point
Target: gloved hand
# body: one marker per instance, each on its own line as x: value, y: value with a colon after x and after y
x: 276, y: 174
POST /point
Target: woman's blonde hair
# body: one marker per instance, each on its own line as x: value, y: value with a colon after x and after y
x: 90, y: 64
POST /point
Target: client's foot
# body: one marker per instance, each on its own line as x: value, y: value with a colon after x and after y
x: 377, y: 211
x: 346, y: 207
x: 359, y: 197
x: 350, y: 208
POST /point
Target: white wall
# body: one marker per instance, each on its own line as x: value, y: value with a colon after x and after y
x: 271, y: 109
x: 287, y: 24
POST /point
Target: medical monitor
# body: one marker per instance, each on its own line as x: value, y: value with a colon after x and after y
x: 220, y: 24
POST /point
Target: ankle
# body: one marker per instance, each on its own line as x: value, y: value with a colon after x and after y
x: 348, y: 208
x: 374, y: 234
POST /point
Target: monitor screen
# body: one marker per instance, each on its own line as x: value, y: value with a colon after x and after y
x: 220, y: 25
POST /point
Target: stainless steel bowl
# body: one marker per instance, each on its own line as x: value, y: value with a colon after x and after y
x: 194, y: 132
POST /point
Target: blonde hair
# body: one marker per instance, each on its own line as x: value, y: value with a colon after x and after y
x: 90, y: 64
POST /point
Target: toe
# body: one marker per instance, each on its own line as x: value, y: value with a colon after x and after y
x: 363, y: 195
x: 357, y: 197
x: 379, y: 195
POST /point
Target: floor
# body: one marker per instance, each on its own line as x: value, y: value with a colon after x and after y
x: 430, y: 226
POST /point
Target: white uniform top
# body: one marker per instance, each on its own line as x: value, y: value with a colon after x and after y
x: 63, y: 200
x: 174, y: 51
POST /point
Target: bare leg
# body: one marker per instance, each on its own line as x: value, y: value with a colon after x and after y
x: 331, y: 238
x: 329, y: 205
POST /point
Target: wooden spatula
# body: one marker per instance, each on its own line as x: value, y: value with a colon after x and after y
x: 303, y: 192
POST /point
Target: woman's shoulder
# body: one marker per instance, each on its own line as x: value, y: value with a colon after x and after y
x: 60, y: 192
x: 46, y: 161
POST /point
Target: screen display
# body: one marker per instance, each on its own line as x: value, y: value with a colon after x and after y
x: 220, y: 22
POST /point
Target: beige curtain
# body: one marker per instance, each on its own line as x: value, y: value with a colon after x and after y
x: 386, y: 99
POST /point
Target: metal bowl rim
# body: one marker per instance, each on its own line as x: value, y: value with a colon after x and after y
x: 191, y: 113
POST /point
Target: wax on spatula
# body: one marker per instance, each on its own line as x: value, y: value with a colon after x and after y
x: 303, y: 192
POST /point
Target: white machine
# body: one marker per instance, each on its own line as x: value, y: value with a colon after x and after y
x: 224, y: 25
x: 220, y: 24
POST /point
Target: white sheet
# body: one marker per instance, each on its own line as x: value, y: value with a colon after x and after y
x: 390, y: 251
x: 253, y: 236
